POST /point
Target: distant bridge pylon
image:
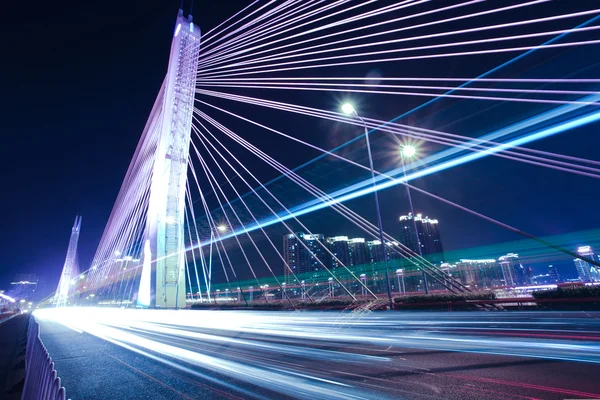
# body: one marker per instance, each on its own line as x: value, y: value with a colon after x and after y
x: 70, y: 269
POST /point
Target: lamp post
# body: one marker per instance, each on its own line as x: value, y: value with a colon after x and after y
x: 400, y: 274
x: 409, y: 151
x: 266, y: 292
x: 363, y: 278
x: 218, y: 230
x: 349, y: 110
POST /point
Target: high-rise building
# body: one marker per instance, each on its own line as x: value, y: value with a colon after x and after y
x: 513, y: 272
x: 428, y: 233
x: 357, y: 251
x: 542, y: 279
x: 338, y: 246
x: 303, y: 257
x: 553, y: 274
x: 484, y: 273
x: 587, y: 272
x: 375, y: 251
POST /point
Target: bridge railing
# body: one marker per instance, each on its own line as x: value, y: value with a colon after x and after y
x: 41, y: 382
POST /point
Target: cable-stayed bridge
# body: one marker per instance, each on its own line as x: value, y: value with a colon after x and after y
x: 264, y: 178
x: 195, y: 205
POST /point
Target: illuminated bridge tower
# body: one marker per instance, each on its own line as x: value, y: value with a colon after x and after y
x: 162, y: 283
x: 70, y: 269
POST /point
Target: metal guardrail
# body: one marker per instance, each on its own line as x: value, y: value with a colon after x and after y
x: 41, y: 382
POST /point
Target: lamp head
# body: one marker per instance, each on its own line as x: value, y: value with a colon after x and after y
x: 348, y: 109
x: 408, y: 151
x: 222, y: 228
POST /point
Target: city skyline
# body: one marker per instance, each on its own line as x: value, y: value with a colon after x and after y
x: 501, y: 270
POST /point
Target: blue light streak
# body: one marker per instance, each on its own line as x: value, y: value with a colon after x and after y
x: 438, y: 162
x: 359, y: 188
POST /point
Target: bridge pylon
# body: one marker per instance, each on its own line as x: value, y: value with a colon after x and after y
x: 162, y: 282
x: 70, y: 271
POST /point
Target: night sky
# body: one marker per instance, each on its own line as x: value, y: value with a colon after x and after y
x: 79, y: 81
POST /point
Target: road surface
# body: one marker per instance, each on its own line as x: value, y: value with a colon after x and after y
x: 159, y: 354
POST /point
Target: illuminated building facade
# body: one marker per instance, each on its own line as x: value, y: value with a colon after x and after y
x: 338, y: 246
x: 587, y: 272
x: 303, y: 257
x: 428, y: 234
x: 513, y: 272
x: 553, y: 274
x: 357, y: 251
x: 480, y: 274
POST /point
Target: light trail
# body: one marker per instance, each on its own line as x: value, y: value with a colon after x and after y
x: 311, y: 354
x: 326, y: 202
x: 290, y: 230
x: 482, y: 77
x: 125, y: 231
x: 436, y: 163
x: 347, y: 213
x: 516, y: 153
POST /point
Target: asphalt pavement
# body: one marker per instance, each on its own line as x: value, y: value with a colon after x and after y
x: 152, y: 354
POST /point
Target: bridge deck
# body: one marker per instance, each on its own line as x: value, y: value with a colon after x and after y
x: 93, y: 368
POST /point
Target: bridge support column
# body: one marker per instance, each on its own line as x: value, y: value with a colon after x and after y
x: 164, y: 285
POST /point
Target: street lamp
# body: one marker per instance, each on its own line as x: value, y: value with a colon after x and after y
x: 222, y: 228
x: 348, y: 109
x: 407, y: 151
